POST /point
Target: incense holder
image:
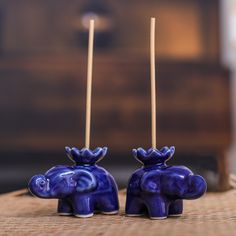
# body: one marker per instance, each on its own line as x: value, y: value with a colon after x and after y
x: 157, y: 189
x: 83, y: 188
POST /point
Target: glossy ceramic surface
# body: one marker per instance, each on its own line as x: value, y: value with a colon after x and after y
x: 83, y: 188
x: 157, y: 189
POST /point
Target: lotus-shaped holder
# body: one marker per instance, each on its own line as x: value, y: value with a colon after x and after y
x: 154, y: 156
x: 85, y: 156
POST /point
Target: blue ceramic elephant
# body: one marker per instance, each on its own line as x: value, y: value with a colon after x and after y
x: 158, y: 189
x: 82, y: 188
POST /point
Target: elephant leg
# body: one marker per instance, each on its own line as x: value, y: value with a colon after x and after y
x: 134, y: 206
x: 83, y: 207
x: 109, y: 204
x: 64, y: 207
x: 157, y: 207
x: 176, y: 208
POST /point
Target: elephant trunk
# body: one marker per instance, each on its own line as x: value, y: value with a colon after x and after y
x: 197, y: 187
x: 39, y: 186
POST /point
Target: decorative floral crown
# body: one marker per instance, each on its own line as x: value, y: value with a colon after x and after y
x: 153, y: 156
x: 85, y: 156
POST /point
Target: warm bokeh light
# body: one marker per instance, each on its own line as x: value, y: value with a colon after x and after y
x: 43, y: 56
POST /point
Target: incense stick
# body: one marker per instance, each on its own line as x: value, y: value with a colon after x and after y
x: 89, y: 83
x: 153, y: 82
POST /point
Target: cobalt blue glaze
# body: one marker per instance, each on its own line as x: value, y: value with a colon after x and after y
x: 158, y: 189
x: 82, y: 188
x: 85, y: 156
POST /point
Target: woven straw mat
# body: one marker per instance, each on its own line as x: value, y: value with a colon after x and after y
x: 21, y: 214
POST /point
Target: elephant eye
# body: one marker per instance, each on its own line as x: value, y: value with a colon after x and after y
x: 42, y: 183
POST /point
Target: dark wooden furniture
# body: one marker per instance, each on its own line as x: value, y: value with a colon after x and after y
x: 43, y: 79
x: 45, y: 111
x: 186, y: 29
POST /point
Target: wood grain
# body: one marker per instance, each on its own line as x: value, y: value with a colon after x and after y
x: 43, y: 108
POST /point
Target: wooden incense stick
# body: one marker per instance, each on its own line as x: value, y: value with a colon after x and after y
x: 89, y: 83
x: 153, y: 80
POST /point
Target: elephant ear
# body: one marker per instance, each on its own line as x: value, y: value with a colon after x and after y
x: 150, y: 182
x: 84, y: 180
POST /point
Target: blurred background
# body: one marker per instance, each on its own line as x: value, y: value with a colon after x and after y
x: 43, y: 57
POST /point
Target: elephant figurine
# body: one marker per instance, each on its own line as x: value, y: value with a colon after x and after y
x: 83, y: 188
x: 158, y: 189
